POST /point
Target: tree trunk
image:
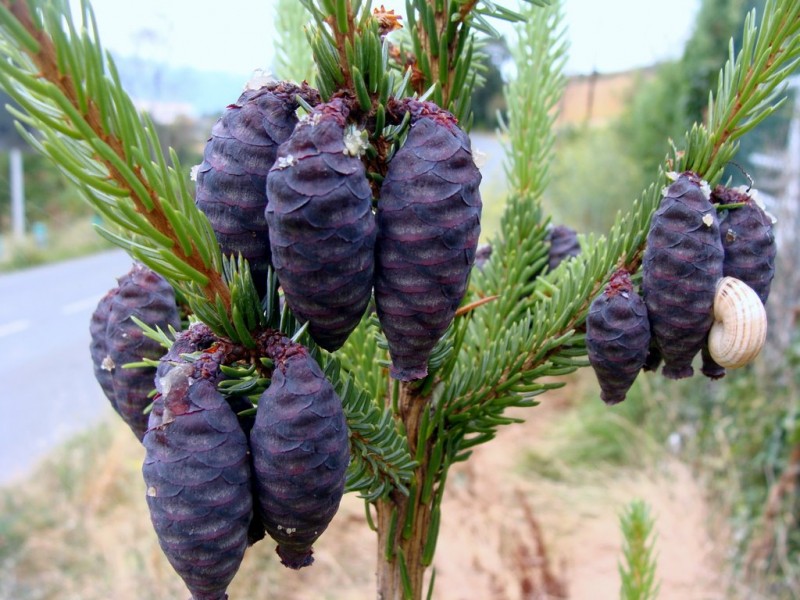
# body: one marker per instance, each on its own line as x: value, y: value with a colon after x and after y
x: 404, y: 522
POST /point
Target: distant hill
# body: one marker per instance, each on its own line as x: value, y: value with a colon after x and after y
x: 194, y: 92
x: 168, y: 92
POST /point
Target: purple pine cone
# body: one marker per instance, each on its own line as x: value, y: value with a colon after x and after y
x: 710, y: 368
x: 200, y: 337
x: 98, y: 348
x: 197, y: 474
x: 146, y: 295
x: 748, y: 241
x: 617, y: 337
x: 322, y: 230
x: 231, y: 180
x: 428, y: 227
x: 681, y: 266
x: 563, y: 245
x: 300, y: 454
x: 483, y: 255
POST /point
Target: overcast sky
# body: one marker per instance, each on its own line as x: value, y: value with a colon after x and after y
x: 236, y: 35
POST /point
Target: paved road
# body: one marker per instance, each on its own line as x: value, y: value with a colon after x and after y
x: 47, y: 388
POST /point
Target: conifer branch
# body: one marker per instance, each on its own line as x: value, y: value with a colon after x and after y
x: 543, y: 338
x: 519, y: 253
x: 380, y: 458
x: 540, y: 54
x: 638, y: 569
x: 350, y: 53
x: 365, y: 359
x: 750, y: 88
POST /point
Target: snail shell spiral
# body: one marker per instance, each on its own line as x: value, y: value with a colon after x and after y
x: 740, y: 324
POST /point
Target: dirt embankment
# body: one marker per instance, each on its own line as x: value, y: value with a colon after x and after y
x: 597, y: 98
x: 511, y: 535
x: 80, y: 531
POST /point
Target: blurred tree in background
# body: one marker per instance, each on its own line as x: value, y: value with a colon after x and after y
x: 488, y: 100
x: 676, y: 95
x: 707, y: 49
x: 9, y: 138
x: 601, y: 168
x: 49, y: 196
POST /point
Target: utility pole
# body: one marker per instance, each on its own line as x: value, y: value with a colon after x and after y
x: 17, y: 179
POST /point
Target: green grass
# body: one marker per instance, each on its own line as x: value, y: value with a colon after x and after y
x: 591, y: 436
x: 74, y: 239
x: 494, y: 199
x: 592, y: 179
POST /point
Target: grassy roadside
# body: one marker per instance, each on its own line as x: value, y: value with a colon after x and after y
x: 536, y: 507
x: 71, y: 240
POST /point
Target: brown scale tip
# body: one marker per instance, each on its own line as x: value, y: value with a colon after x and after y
x: 336, y: 108
x: 620, y: 282
x: 420, y: 109
x: 279, y: 348
x: 693, y: 177
x: 724, y: 195
x: 387, y: 20
x: 287, y: 91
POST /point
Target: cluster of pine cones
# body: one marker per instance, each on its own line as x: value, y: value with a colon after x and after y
x: 293, y: 195
x: 693, y: 265
x: 297, y: 196
x: 216, y: 481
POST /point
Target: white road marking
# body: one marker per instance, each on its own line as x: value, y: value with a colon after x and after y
x: 14, y: 327
x: 84, y: 305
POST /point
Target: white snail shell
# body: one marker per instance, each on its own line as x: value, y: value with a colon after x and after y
x: 740, y: 324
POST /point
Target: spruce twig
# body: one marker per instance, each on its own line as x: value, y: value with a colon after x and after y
x: 542, y: 338
x: 446, y: 53
x: 638, y: 567
x: 540, y: 54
